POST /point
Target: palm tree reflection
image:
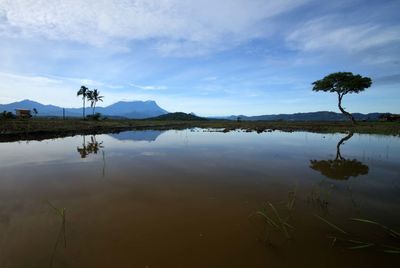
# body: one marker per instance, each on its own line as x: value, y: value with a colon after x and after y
x: 340, y: 168
x: 91, y: 147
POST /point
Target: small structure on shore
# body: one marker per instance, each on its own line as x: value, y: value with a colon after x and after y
x: 23, y: 113
x: 390, y: 118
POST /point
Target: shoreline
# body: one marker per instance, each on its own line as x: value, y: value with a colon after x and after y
x: 44, y: 128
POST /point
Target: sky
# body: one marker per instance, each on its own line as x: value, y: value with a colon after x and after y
x: 210, y: 57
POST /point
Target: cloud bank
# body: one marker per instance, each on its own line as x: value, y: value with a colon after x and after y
x: 202, y: 56
x: 177, y: 26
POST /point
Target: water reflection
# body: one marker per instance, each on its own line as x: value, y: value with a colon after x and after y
x: 90, y: 147
x: 196, y: 200
x: 145, y: 135
x: 340, y: 168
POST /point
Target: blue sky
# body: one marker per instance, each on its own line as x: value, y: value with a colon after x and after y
x: 211, y: 57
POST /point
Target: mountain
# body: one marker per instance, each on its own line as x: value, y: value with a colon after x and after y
x: 179, y: 117
x: 45, y: 110
x: 133, y: 109
x: 311, y: 116
x: 128, y: 109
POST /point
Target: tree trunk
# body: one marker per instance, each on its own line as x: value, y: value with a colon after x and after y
x: 94, y: 107
x: 83, y: 110
x: 349, y: 115
x: 338, y: 155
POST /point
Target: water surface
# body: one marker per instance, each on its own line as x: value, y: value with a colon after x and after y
x: 190, y: 199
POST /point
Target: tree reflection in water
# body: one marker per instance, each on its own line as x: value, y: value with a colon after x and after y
x: 340, y: 168
x: 91, y: 147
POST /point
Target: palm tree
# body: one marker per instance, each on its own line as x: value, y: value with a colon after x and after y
x: 85, y: 92
x: 94, y: 97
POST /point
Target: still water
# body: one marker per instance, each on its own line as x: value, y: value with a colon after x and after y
x: 201, y: 198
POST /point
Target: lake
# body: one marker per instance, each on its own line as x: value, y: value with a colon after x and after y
x: 201, y: 198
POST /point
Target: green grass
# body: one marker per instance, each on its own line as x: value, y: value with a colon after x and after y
x: 61, y: 213
x: 292, y: 199
x: 279, y: 220
x: 44, y: 128
x: 334, y: 226
x: 358, y: 243
x: 377, y: 237
x: 391, y: 232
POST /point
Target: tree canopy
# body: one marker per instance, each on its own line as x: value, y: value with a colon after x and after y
x: 342, y: 83
x: 94, y: 97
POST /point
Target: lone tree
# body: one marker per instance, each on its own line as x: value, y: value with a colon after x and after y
x: 84, y: 92
x: 343, y: 83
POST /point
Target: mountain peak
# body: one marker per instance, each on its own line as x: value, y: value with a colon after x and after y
x: 133, y: 102
x: 27, y: 101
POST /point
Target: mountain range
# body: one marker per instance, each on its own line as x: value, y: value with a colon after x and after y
x: 150, y: 109
x: 311, y: 116
x: 127, y: 109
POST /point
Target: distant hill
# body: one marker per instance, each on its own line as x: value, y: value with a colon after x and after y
x: 45, y: 110
x: 312, y: 116
x: 127, y: 109
x: 179, y: 117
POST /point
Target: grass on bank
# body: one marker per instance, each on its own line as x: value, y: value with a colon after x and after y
x: 37, y: 128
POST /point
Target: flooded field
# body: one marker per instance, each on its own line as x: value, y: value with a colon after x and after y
x: 200, y: 198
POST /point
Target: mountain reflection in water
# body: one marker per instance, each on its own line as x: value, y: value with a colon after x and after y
x: 145, y: 135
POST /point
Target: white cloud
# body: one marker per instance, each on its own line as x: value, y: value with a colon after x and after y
x: 149, y: 87
x: 210, y: 78
x: 37, y: 88
x: 327, y: 33
x: 91, y: 83
x: 180, y: 27
x: 35, y: 80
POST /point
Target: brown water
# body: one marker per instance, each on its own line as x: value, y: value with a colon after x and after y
x: 189, y: 199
